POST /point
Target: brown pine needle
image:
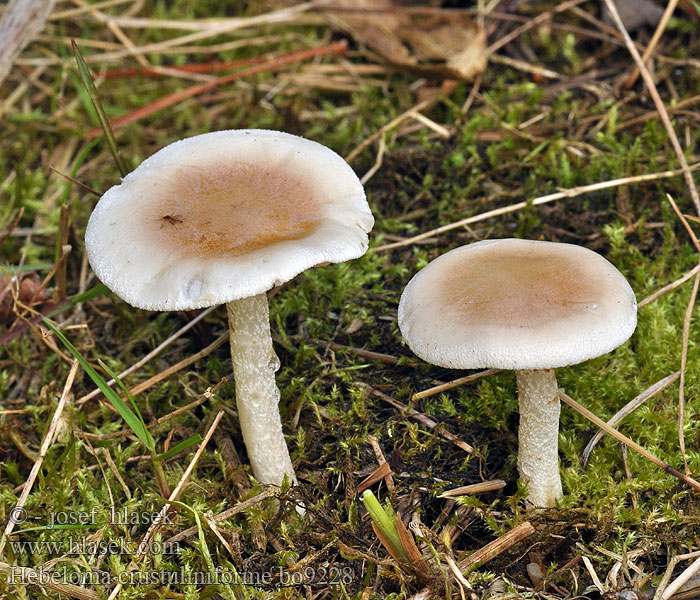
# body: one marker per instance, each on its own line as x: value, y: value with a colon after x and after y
x: 86, y: 187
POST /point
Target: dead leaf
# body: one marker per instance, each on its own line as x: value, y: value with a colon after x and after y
x: 442, y: 44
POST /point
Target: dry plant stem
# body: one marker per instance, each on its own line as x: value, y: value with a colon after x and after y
x: 538, y: 436
x: 686, y: 333
x: 453, y: 384
x: 498, y: 546
x: 257, y: 395
x: 569, y: 193
x: 475, y: 488
x: 684, y: 361
x: 660, y: 28
x: 682, y: 579
x: 48, y: 440
x: 628, y: 408
x: 627, y: 441
x: 649, y: 82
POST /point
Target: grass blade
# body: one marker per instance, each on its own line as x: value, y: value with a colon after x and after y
x: 195, y: 439
x: 120, y: 406
x: 89, y: 85
x: 137, y: 412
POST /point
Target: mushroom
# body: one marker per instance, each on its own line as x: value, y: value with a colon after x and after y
x: 524, y: 305
x: 222, y: 218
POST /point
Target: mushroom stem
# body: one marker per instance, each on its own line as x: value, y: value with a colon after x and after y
x: 538, y: 436
x: 257, y: 395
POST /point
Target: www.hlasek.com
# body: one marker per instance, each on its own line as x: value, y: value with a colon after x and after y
x: 83, y: 546
x: 310, y: 576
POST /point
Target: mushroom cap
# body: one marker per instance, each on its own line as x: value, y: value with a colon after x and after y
x: 223, y: 216
x: 516, y: 304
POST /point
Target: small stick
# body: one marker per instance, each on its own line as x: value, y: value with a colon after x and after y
x: 627, y: 441
x: 420, y: 417
x: 496, y: 547
x: 26, y: 574
x: 385, y: 358
x: 651, y: 86
x: 569, y: 193
x: 475, y: 488
x: 48, y: 440
x: 63, y: 251
x: 454, y: 383
x: 628, y: 408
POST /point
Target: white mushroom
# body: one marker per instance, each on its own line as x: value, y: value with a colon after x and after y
x: 222, y: 218
x: 524, y: 305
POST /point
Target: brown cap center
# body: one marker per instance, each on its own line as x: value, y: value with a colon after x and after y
x: 232, y: 209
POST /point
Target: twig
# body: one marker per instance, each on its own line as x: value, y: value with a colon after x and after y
x: 48, y: 440
x: 627, y: 441
x: 628, y: 409
x: 569, y: 193
x: 496, y: 547
x: 660, y: 28
x: 377, y: 163
x: 195, y: 90
x: 420, y: 417
x: 80, y: 184
x: 644, y: 72
x: 454, y: 383
x: 144, y: 385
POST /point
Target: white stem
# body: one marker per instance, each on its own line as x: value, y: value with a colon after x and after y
x: 257, y: 395
x: 538, y: 436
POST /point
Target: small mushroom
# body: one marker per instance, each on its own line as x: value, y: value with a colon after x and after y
x: 222, y: 218
x: 524, y: 305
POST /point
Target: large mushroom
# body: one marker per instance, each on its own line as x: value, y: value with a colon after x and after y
x: 524, y: 305
x: 222, y: 218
